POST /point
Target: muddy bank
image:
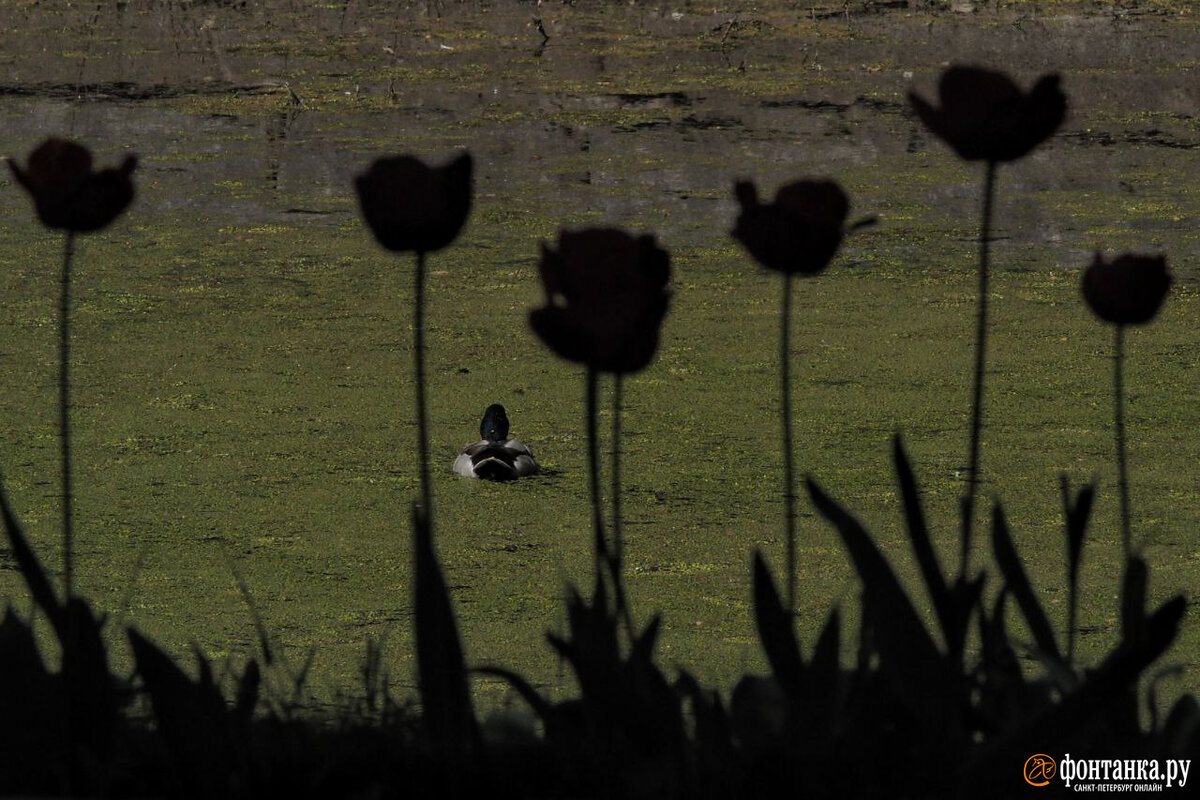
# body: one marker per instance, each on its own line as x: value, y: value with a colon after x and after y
x: 627, y: 114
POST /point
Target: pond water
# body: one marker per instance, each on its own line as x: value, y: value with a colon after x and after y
x: 222, y: 369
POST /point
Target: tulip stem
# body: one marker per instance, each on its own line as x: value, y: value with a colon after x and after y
x: 419, y: 367
x: 592, y: 409
x: 618, y: 553
x: 64, y: 411
x: 604, y: 556
x: 617, y: 556
x: 789, y: 477
x: 1122, y: 468
x: 985, y: 239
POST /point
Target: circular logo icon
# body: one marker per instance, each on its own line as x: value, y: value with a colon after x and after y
x: 1039, y: 769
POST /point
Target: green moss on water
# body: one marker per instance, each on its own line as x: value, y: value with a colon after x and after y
x: 243, y: 404
x: 262, y: 419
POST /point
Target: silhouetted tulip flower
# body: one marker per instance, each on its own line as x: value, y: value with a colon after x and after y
x: 1127, y: 291
x: 798, y: 233
x: 67, y: 194
x: 606, y: 295
x: 984, y: 116
x: 412, y: 207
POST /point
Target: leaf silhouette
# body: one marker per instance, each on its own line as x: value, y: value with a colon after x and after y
x: 1181, y: 730
x: 1106, y: 685
x: 540, y: 705
x: 193, y: 719
x: 247, y: 694
x: 775, y: 631
x: 1076, y: 513
x: 822, y: 684
x: 643, y: 647
x: 445, y: 696
x: 952, y: 621
x: 30, y: 567
x: 713, y: 729
x: 1018, y: 584
x: 917, y: 669
x: 91, y: 695
x: 32, y: 730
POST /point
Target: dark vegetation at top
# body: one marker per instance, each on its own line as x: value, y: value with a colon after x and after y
x: 957, y: 698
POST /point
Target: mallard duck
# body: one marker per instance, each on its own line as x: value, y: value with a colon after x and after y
x: 495, y: 457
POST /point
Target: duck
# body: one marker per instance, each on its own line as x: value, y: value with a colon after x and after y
x: 495, y: 457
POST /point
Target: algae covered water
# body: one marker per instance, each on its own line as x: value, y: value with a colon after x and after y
x: 241, y: 356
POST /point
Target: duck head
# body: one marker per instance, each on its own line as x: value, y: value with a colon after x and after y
x: 494, y: 427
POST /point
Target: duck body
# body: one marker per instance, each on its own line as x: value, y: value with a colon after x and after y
x: 495, y: 457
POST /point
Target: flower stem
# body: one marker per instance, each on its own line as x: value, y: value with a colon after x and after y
x: 64, y: 411
x: 592, y: 410
x: 419, y: 367
x: 618, y: 553
x: 1122, y: 468
x: 617, y: 556
x: 789, y: 477
x: 985, y: 239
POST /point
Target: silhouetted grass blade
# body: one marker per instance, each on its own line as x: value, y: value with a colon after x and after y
x: 712, y: 722
x: 260, y: 627
x: 540, y: 705
x: 998, y: 661
x: 918, y: 671
x: 822, y: 682
x: 1018, y: 583
x: 92, y: 692
x: 445, y: 696
x: 1102, y: 691
x: 31, y: 711
x: 776, y: 632
x: 1181, y: 730
x: 1076, y: 513
x: 247, y: 694
x: 193, y: 719
x: 952, y: 619
x: 643, y: 646
x: 31, y: 568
